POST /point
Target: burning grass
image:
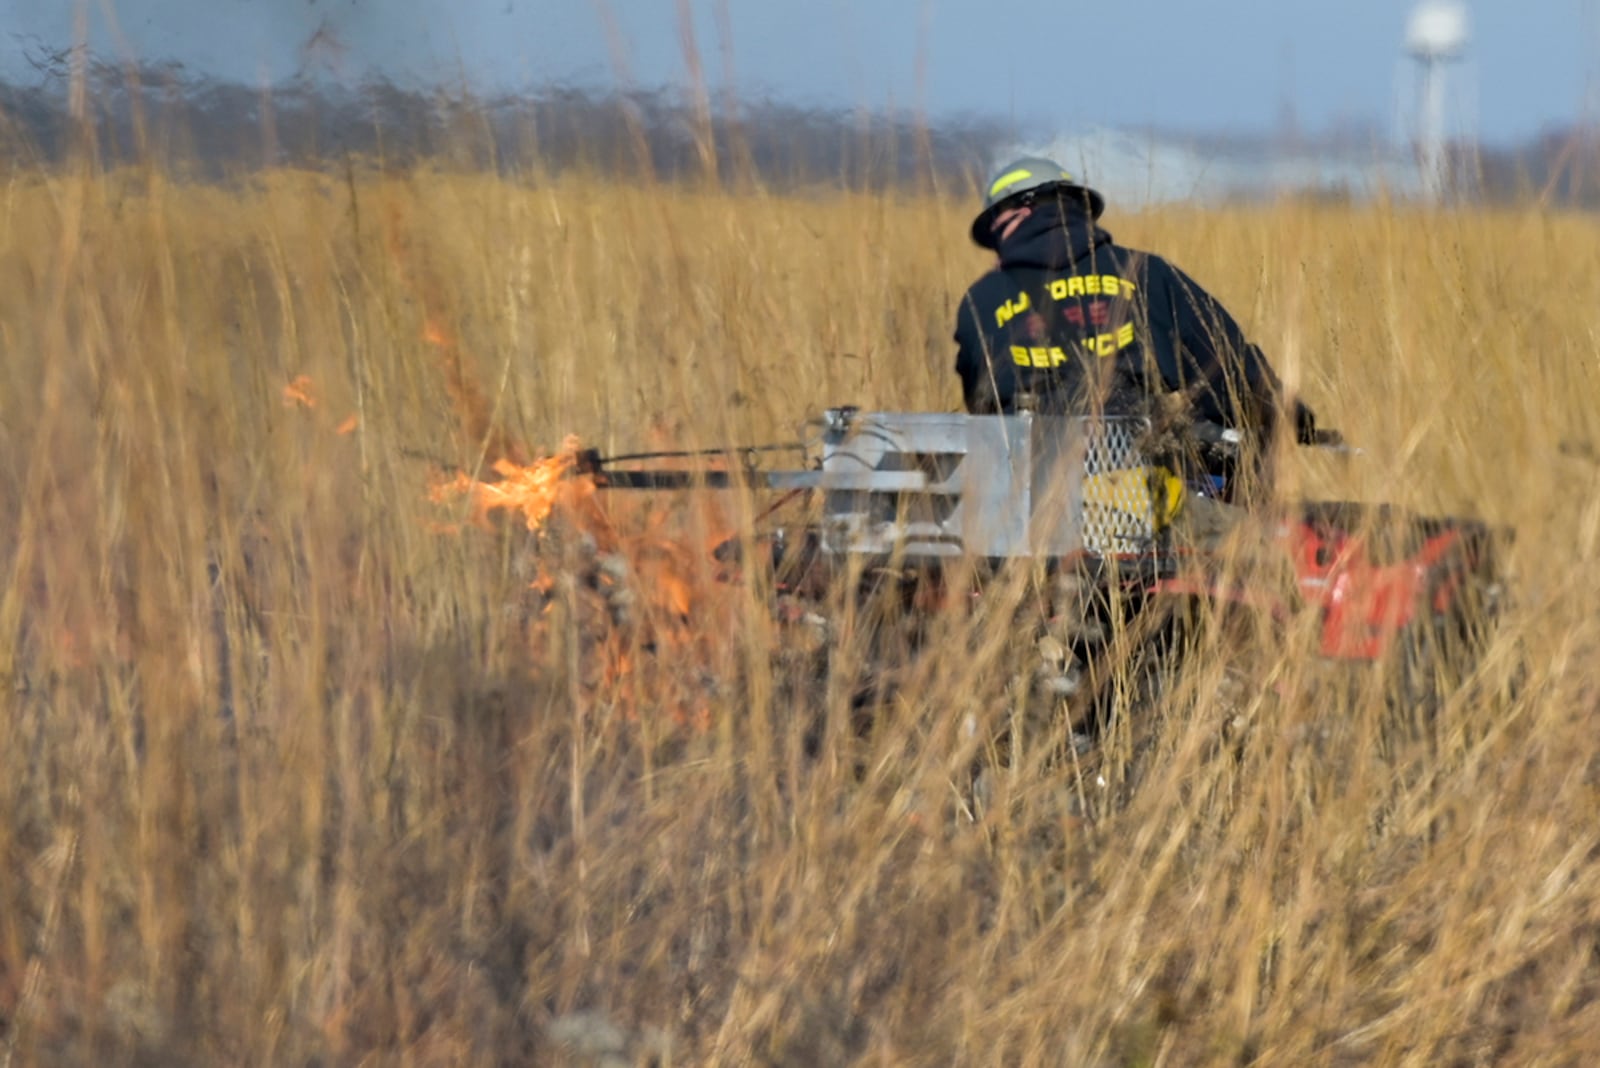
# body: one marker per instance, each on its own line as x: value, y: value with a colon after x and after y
x: 291, y: 772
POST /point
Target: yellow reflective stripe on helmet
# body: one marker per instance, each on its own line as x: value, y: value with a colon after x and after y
x: 1010, y: 178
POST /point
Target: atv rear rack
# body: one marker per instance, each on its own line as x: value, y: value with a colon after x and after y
x: 923, y: 486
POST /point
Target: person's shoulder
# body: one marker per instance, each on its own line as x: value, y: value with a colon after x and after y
x: 991, y: 276
x: 1156, y: 268
x: 1142, y: 256
x: 988, y: 285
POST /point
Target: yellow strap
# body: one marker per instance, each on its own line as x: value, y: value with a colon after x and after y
x: 1152, y: 494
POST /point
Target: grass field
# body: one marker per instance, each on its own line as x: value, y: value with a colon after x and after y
x: 288, y: 778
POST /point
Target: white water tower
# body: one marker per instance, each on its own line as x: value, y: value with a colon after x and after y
x: 1435, y: 37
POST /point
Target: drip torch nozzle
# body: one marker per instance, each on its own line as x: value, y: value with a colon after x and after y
x: 589, y: 462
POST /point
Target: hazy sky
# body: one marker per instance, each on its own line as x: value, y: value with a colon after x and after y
x: 1191, y: 64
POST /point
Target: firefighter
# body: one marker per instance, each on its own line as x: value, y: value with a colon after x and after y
x: 1069, y: 321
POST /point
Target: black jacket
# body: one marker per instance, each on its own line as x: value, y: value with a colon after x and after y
x: 1086, y: 325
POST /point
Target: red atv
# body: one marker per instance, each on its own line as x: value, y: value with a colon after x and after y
x: 915, y: 511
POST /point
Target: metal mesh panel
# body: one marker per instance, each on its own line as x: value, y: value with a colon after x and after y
x: 945, y: 484
x: 1119, y: 509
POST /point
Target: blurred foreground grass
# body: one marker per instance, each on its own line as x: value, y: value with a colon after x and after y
x: 284, y: 780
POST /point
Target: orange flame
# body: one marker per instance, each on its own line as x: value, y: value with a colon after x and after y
x: 678, y: 615
x: 531, y: 489
x: 298, y: 393
x: 677, y: 633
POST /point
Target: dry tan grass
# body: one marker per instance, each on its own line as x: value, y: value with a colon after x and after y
x: 415, y: 839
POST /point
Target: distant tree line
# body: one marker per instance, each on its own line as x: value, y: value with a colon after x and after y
x: 1561, y: 166
x: 212, y: 129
